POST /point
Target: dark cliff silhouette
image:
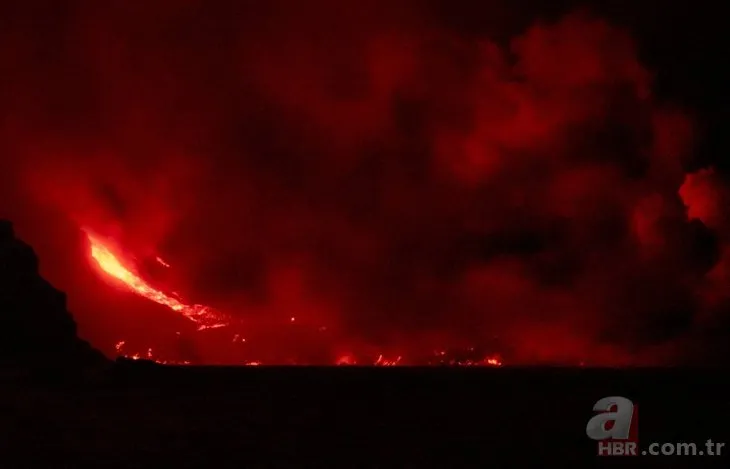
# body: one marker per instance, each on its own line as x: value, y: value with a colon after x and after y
x: 37, y: 332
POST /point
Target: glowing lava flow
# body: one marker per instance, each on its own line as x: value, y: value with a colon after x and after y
x: 208, y: 318
x: 204, y: 316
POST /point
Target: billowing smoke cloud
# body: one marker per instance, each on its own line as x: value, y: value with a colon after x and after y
x: 373, y: 172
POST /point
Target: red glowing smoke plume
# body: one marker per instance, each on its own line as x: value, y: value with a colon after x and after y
x: 343, y: 181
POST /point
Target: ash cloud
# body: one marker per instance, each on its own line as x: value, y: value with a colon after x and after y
x: 375, y: 171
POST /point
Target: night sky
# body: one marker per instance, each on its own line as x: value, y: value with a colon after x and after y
x: 399, y: 177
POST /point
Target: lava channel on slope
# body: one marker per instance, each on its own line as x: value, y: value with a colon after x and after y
x: 204, y: 316
x: 207, y: 317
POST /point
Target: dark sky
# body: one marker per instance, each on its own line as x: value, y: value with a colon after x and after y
x: 407, y: 175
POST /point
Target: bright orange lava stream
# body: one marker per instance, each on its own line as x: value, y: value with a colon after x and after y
x: 208, y: 318
x: 204, y: 316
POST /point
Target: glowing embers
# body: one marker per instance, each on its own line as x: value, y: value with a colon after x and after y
x: 442, y: 357
x: 109, y: 262
x: 146, y: 356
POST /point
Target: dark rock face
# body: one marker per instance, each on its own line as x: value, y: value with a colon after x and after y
x: 36, y: 329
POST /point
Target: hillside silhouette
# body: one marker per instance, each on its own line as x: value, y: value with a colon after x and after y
x: 37, y: 332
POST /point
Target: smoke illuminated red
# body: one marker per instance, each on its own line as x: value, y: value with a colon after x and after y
x: 360, y: 184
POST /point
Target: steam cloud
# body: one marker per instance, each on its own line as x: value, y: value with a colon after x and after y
x: 369, y: 169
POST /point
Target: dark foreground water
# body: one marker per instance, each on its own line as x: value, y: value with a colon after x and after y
x: 140, y: 416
